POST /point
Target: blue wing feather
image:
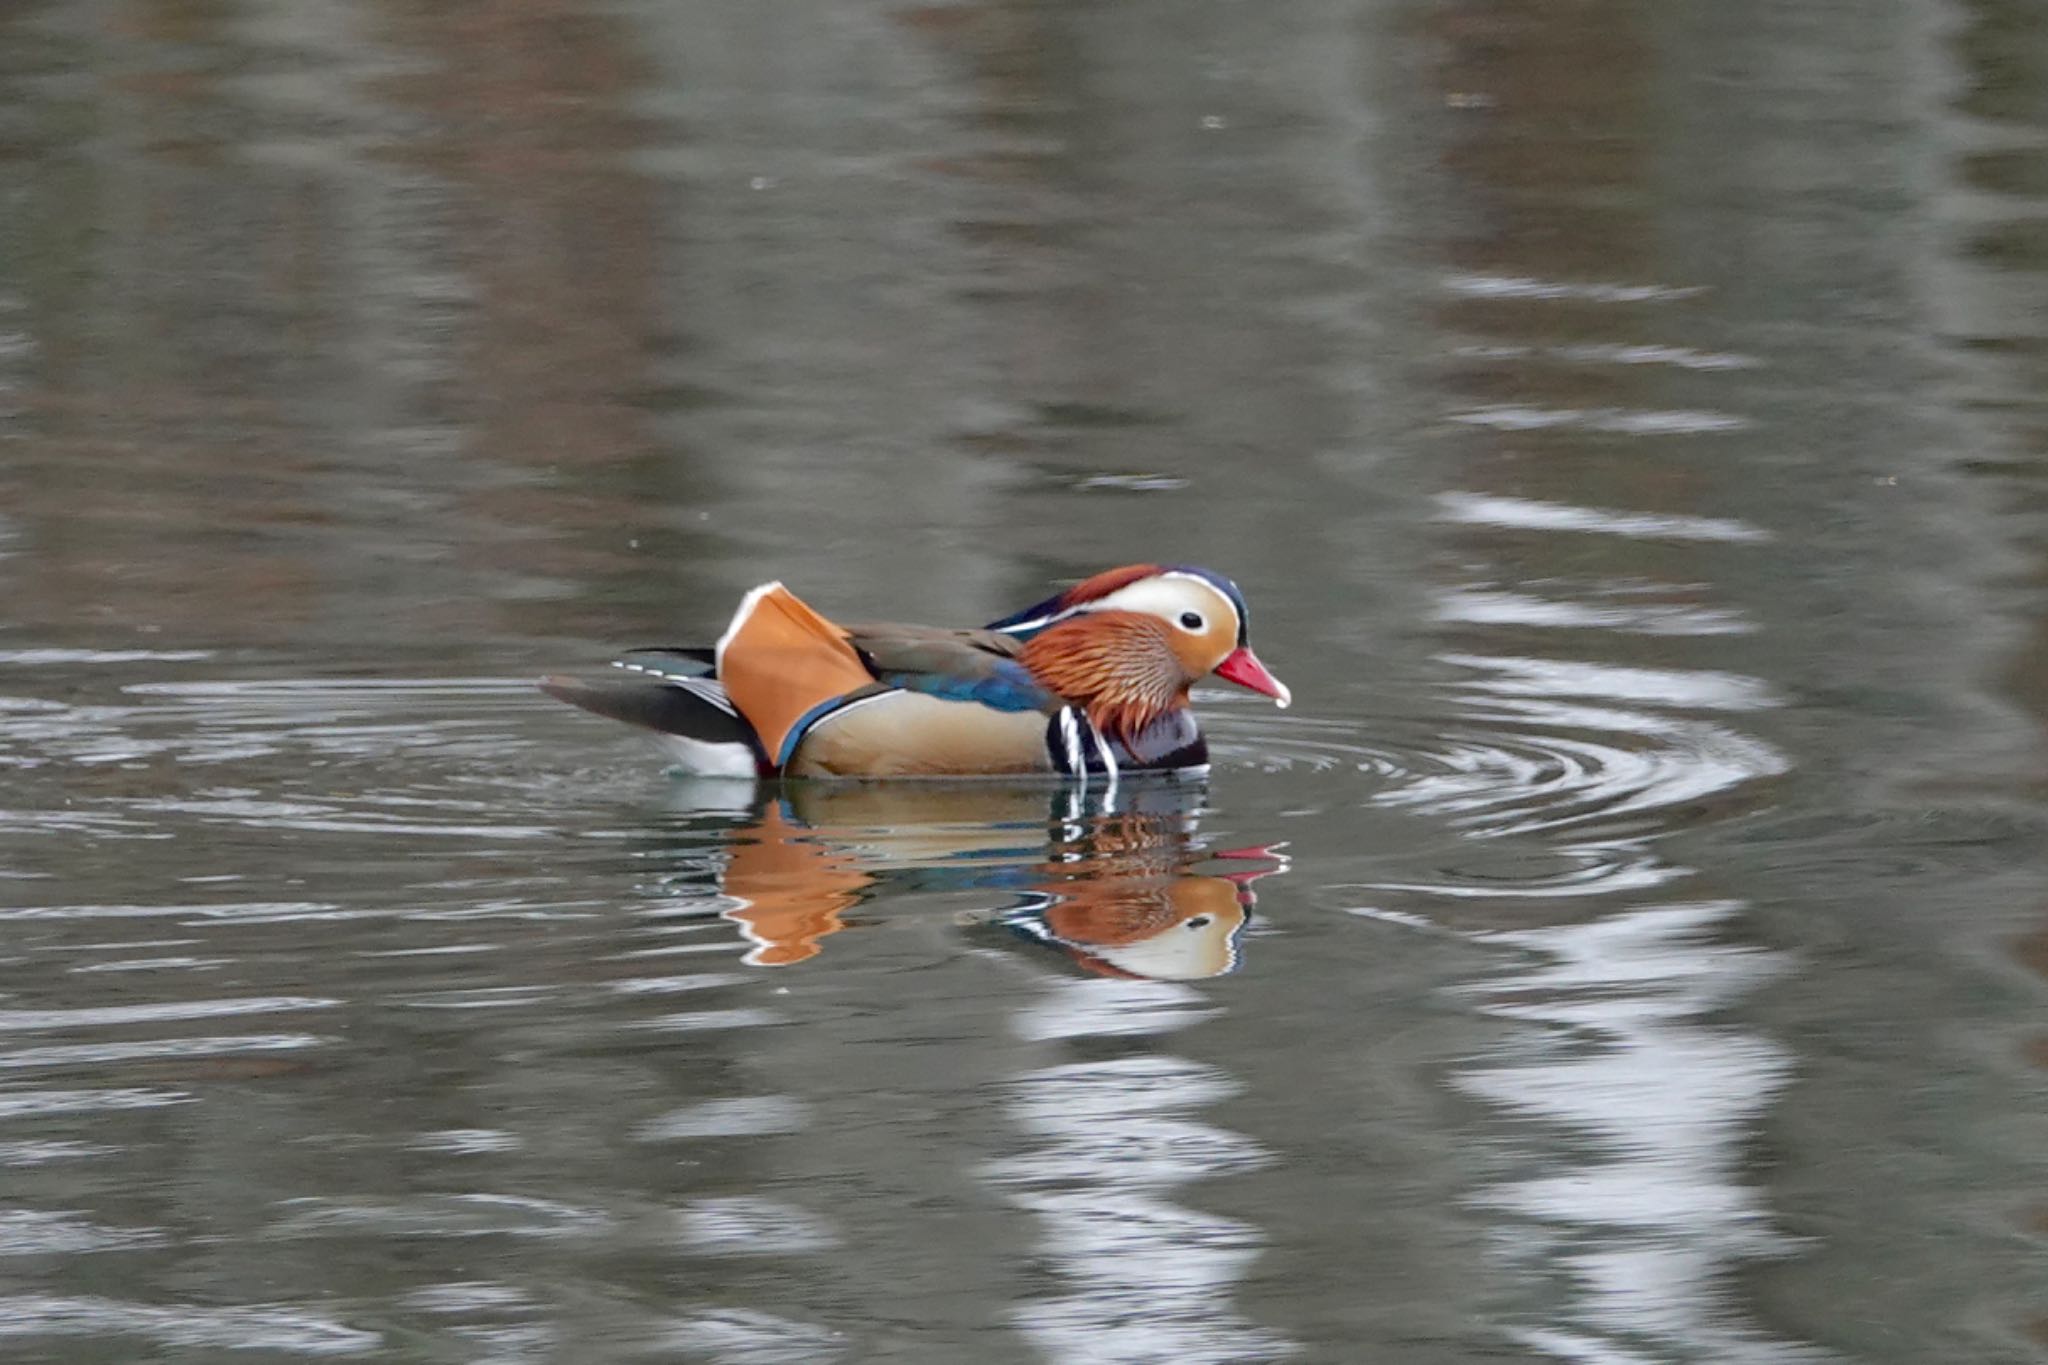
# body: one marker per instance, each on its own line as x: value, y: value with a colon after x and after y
x: 1005, y: 686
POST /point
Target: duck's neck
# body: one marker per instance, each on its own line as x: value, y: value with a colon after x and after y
x: 1117, y: 667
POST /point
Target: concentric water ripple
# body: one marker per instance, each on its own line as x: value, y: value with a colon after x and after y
x: 1537, y: 745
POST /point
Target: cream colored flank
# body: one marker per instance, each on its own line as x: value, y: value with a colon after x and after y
x: 908, y: 734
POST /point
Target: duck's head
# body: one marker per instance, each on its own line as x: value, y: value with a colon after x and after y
x: 1141, y: 635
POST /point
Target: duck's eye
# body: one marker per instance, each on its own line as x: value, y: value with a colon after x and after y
x: 1191, y: 620
x: 1198, y: 922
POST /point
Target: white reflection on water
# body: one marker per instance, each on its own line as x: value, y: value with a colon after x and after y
x: 1531, y: 514
x: 1610, y: 353
x: 35, y: 1232
x: 16, y: 1103
x: 749, y: 1225
x: 748, y: 1336
x: 737, y: 1116
x: 1143, y: 1279
x: 1632, y: 1195
x: 437, y: 1215
x: 1597, y: 291
x: 183, y: 1326
x: 43, y: 658
x: 1695, y: 688
x: 1620, y: 421
x: 155, y: 1049
x: 1500, y: 607
x: 33, y: 1153
x: 12, y: 1021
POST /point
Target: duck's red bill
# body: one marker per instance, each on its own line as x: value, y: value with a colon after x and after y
x: 1244, y: 669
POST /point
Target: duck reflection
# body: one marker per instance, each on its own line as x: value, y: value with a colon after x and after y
x: 1111, y: 887
x: 1126, y: 914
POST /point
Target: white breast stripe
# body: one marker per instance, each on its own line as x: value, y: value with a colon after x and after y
x: 1070, y: 736
x: 1108, y: 758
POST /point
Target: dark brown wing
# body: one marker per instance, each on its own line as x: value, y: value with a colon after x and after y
x: 957, y: 665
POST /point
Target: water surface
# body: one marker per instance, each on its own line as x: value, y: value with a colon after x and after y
x: 1623, y: 420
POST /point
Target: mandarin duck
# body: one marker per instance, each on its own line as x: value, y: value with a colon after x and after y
x: 1091, y: 682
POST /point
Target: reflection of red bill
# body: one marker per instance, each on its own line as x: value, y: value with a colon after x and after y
x: 1261, y: 853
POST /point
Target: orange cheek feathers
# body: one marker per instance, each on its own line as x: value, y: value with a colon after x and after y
x: 1120, y: 666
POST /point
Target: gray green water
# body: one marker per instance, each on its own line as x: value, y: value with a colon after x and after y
x: 1626, y: 420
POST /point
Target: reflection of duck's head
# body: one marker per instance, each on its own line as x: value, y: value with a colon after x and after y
x: 1176, y: 927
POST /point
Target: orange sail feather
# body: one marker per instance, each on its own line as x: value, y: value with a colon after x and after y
x: 779, y: 659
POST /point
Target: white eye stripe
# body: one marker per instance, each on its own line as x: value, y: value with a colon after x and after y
x: 1169, y: 596
x: 1162, y: 595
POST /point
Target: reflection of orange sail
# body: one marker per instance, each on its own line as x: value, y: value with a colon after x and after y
x: 793, y: 889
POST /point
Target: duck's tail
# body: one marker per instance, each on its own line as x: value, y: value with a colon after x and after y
x: 730, y: 711
x: 673, y: 693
